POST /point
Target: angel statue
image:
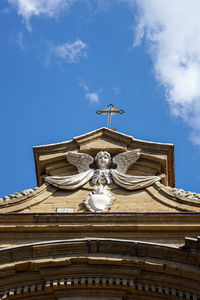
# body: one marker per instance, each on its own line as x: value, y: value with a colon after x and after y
x: 100, y: 198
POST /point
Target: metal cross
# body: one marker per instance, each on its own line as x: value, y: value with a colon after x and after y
x: 110, y: 111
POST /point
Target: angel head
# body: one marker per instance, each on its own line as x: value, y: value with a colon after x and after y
x: 103, y: 159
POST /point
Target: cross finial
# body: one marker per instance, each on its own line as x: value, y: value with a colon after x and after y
x: 110, y: 111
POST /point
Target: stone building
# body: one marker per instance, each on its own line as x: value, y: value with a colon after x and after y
x: 111, y: 228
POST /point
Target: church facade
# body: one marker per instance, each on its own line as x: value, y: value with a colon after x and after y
x: 105, y: 222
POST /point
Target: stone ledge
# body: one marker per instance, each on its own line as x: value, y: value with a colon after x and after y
x: 102, y: 264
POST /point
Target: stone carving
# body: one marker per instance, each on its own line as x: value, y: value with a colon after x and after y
x: 180, y: 193
x: 100, y: 199
x: 18, y: 195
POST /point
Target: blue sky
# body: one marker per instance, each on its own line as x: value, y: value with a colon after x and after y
x: 61, y: 60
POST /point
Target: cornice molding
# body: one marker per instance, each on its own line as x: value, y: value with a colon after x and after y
x: 115, y: 264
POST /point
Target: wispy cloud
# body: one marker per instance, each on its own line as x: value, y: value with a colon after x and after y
x: 84, y: 86
x: 103, y: 5
x: 116, y: 90
x: 50, y: 8
x: 5, y: 10
x: 172, y: 31
x: 93, y: 97
x: 71, y: 51
x: 20, y: 41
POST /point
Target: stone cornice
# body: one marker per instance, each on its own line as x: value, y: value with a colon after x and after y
x: 60, y: 266
x: 179, y: 195
x: 108, y: 222
x: 27, y: 198
x: 19, y: 195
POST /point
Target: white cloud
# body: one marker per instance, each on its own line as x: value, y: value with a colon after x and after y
x: 94, y: 97
x: 50, y: 8
x: 172, y: 30
x: 71, y: 52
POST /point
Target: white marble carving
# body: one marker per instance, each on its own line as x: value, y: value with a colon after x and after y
x: 100, y: 199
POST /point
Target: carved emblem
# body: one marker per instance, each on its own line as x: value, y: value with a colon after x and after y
x: 100, y: 199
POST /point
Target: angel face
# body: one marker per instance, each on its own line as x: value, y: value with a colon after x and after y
x: 103, y: 159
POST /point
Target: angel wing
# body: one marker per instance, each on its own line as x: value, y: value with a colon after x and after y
x: 125, y: 159
x: 80, y: 160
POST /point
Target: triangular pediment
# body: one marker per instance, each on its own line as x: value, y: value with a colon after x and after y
x: 102, y: 144
x: 155, y: 158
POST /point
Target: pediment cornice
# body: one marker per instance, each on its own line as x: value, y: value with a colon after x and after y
x: 20, y: 201
x: 156, y: 158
